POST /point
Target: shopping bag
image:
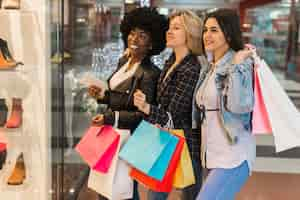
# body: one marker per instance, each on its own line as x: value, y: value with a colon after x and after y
x: 3, y: 142
x: 98, y: 146
x: 11, y: 4
x: 283, y: 115
x: 184, y: 174
x: 149, y: 150
x: 260, y: 119
x: 116, y: 184
x: 165, y: 185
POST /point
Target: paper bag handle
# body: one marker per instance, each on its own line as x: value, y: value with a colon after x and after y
x: 99, y: 132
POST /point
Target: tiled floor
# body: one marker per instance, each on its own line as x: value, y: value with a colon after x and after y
x: 261, y: 186
x: 271, y: 186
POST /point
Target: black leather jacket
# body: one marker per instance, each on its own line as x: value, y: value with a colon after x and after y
x: 121, y: 98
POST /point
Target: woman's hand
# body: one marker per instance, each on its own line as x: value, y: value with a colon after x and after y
x: 241, y: 55
x: 98, y: 120
x: 140, y: 102
x: 95, y: 92
x: 162, y: 128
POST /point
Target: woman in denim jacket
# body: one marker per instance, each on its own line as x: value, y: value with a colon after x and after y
x: 223, y: 102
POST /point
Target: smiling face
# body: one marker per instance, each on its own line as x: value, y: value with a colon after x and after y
x: 213, y: 37
x: 176, y: 34
x: 139, y: 42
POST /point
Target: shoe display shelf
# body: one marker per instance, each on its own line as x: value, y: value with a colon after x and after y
x: 22, y: 31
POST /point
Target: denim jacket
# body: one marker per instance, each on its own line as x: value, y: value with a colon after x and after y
x: 235, y: 92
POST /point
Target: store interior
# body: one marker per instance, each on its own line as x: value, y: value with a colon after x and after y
x: 61, y: 41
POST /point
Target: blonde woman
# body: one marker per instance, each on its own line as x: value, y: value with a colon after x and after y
x: 175, y: 90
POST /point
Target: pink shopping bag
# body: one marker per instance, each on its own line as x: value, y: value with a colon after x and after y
x: 260, y: 120
x: 98, y: 146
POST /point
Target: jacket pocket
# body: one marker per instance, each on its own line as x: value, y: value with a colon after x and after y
x: 238, y: 93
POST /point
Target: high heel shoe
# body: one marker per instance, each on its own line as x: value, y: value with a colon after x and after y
x: 4, y: 64
x: 3, y: 112
x: 3, y: 149
x: 5, y: 50
x: 6, y: 59
x: 3, y: 154
x: 18, y: 175
x: 15, y: 119
x: 11, y: 4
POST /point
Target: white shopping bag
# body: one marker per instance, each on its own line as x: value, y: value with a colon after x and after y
x: 283, y: 114
x: 116, y: 184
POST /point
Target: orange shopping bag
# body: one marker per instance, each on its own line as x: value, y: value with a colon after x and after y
x: 166, y: 184
x: 260, y: 120
x: 98, y: 146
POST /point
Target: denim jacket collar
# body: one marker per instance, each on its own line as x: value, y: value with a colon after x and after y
x: 225, y: 59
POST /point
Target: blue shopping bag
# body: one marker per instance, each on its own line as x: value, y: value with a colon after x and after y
x: 149, y: 150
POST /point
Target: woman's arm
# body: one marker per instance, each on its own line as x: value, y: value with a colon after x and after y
x: 181, y: 100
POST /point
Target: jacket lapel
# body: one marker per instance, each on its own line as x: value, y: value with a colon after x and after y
x: 164, y: 83
x: 161, y: 83
x: 121, y: 62
x: 128, y: 84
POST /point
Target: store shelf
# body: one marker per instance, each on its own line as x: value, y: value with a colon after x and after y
x: 21, y: 30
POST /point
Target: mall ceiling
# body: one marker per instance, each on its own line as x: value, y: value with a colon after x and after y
x: 195, y: 4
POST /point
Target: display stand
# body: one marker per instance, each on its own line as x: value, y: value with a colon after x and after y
x: 29, y: 82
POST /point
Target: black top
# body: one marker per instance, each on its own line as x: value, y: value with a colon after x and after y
x: 121, y: 98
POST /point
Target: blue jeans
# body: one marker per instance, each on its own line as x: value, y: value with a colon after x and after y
x: 223, y: 184
x: 188, y: 193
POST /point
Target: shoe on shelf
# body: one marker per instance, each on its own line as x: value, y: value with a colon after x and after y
x: 6, y: 59
x: 3, y: 154
x: 6, y: 64
x: 5, y: 51
x: 18, y: 174
x: 3, y: 149
x: 3, y: 112
x: 15, y: 119
x: 11, y: 4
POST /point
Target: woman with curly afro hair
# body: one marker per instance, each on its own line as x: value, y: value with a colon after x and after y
x: 143, y: 33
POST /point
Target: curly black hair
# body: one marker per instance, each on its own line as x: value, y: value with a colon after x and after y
x: 149, y: 20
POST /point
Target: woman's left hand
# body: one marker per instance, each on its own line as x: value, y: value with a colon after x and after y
x: 241, y: 55
x: 98, y: 120
x: 140, y: 102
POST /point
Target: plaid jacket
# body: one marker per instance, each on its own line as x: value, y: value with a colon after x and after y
x: 175, y: 95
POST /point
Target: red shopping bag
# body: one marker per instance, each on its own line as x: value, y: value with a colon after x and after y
x: 98, y: 146
x: 166, y: 184
x: 260, y: 120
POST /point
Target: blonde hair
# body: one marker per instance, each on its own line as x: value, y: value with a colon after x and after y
x: 193, y: 28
